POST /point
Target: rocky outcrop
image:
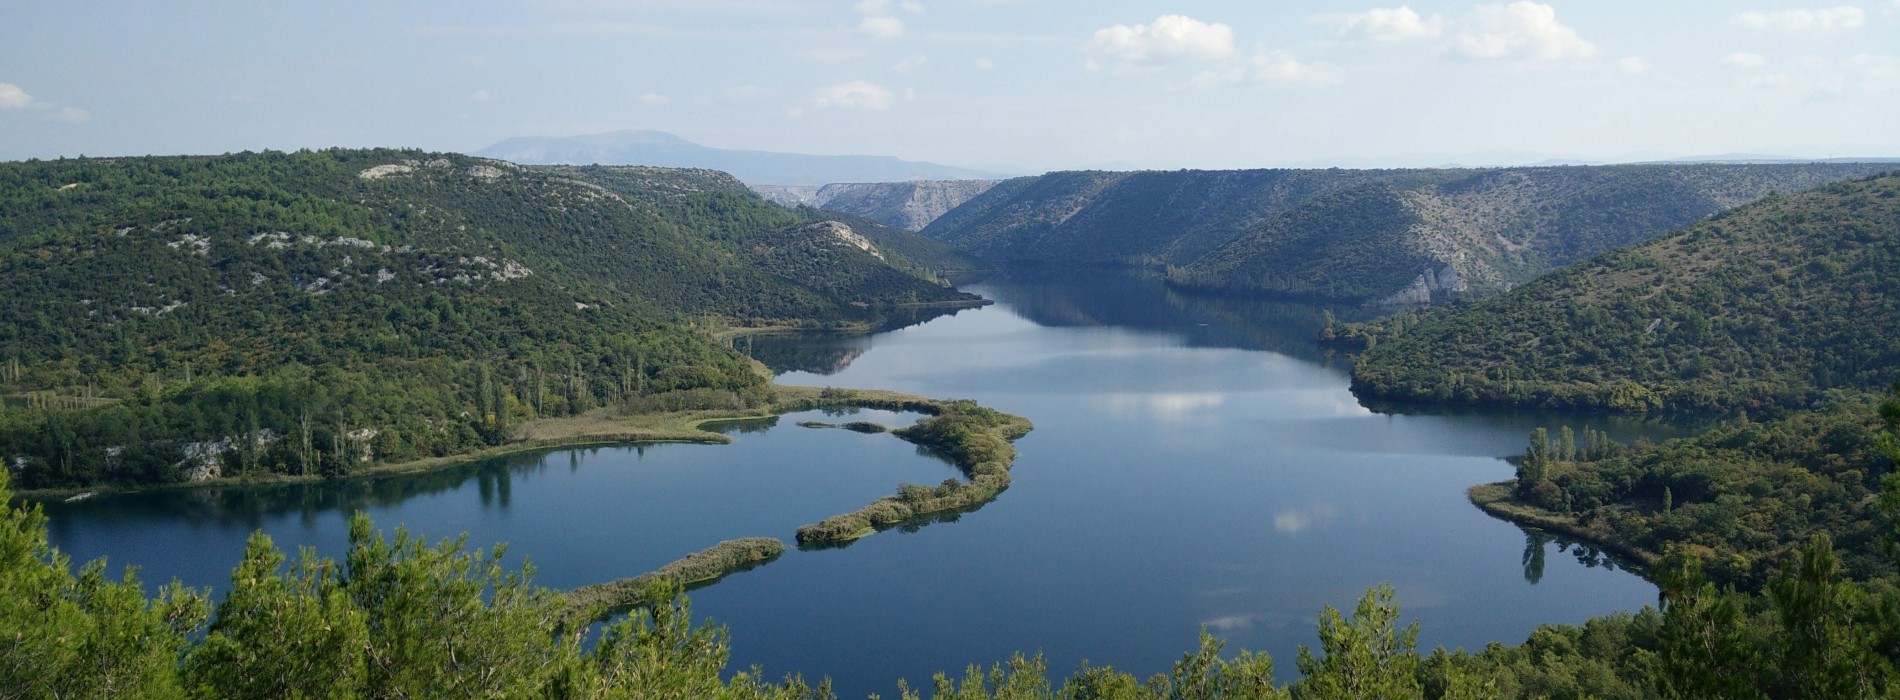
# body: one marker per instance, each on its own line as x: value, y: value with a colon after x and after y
x: 1431, y: 286
x: 837, y: 233
x: 910, y: 205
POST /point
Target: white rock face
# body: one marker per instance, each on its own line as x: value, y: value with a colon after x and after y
x: 1429, y: 286
x: 840, y: 234
x: 203, y: 460
x: 383, y: 171
x: 485, y: 172
x: 196, y: 243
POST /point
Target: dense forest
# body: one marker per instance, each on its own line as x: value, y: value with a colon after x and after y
x: 1386, y: 236
x: 170, y: 318
x: 1772, y: 304
x: 371, y: 626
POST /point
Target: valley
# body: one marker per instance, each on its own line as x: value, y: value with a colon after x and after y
x: 297, y: 347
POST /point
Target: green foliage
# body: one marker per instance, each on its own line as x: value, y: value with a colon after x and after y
x: 1349, y: 245
x: 82, y: 634
x: 1771, y: 304
x: 314, y: 313
x: 1743, y: 496
x: 589, y: 603
x: 1368, y: 656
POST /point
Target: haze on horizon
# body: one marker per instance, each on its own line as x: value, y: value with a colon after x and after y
x: 1013, y: 85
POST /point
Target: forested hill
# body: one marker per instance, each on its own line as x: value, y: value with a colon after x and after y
x: 1399, y: 236
x: 1772, y: 303
x: 314, y: 312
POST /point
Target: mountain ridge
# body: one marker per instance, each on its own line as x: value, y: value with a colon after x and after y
x: 1252, y: 231
x: 662, y: 149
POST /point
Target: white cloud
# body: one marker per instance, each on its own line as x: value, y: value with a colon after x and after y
x: 879, y: 20
x: 1822, y: 20
x: 1281, y: 68
x: 1745, y: 60
x: 653, y: 99
x: 1395, y: 24
x: 987, y: 64
x: 856, y: 94
x: 1521, y: 28
x: 1633, y: 65
x: 1272, y: 68
x: 881, y: 27
x: 12, y: 97
x: 480, y: 96
x: 1170, y: 39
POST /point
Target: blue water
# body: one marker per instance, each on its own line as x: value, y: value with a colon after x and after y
x: 1195, y: 463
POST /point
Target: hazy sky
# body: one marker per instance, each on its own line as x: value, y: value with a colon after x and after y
x: 1025, y: 85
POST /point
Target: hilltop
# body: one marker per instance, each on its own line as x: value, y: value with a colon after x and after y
x: 1774, y: 303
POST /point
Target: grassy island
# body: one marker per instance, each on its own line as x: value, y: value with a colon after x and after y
x: 976, y: 439
x: 701, y: 568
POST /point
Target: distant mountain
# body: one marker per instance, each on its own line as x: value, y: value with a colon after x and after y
x: 658, y: 148
x: 1771, y: 304
x: 1763, y: 158
x: 907, y: 205
x: 1394, y: 236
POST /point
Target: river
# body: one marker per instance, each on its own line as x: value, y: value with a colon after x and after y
x: 1196, y: 463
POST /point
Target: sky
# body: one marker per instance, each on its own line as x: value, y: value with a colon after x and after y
x: 1019, y: 86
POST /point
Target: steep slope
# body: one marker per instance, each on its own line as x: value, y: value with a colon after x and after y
x: 906, y: 250
x: 1769, y: 304
x: 656, y: 148
x: 907, y: 205
x: 716, y: 208
x: 170, y: 318
x: 1274, y: 231
x: 1095, y: 218
x: 1352, y: 245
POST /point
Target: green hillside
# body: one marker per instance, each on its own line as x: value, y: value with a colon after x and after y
x: 1354, y: 244
x: 908, y: 250
x: 1769, y: 304
x: 316, y: 312
x: 1427, y: 236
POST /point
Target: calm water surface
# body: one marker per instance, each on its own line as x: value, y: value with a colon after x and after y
x: 1195, y: 463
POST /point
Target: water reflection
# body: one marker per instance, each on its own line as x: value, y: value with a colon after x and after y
x: 820, y: 353
x: 1534, y: 543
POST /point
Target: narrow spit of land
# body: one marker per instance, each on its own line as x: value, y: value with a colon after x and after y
x: 977, y: 439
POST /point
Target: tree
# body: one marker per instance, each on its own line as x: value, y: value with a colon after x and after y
x: 1367, y: 657
x: 83, y: 636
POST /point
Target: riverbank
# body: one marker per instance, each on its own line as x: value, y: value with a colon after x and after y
x: 599, y: 428
x: 1495, y: 499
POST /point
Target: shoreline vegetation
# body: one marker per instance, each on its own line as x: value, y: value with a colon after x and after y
x: 598, y: 428
x: 976, y: 439
x: 1496, y: 500
x: 697, y: 570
